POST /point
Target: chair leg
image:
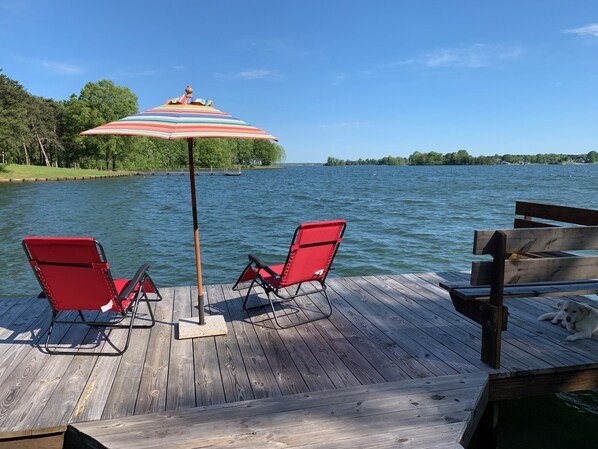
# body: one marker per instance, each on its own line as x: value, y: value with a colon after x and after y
x: 154, y: 290
x: 326, y: 314
x: 309, y: 320
x: 48, y: 350
x: 149, y: 308
x: 240, y: 279
x: 133, y: 316
x: 247, y: 298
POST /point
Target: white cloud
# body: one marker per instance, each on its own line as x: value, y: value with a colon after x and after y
x: 251, y: 74
x: 474, y: 56
x: 62, y: 68
x: 588, y: 30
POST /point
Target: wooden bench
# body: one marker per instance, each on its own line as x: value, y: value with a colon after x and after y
x: 543, y: 270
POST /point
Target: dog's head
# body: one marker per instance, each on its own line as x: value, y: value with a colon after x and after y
x: 574, y: 311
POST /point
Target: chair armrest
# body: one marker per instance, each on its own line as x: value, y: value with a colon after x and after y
x: 141, y: 273
x: 258, y: 263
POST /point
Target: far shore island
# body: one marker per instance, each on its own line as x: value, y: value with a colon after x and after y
x: 462, y: 157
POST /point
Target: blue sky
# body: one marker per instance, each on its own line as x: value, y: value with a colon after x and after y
x: 347, y: 79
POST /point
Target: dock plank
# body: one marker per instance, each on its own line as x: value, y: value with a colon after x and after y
x: 439, y: 342
x: 276, y: 344
x: 154, y: 378
x: 235, y: 380
x: 123, y: 393
x: 395, y: 326
x: 181, y: 382
x: 209, y: 389
x: 349, y: 318
x: 425, y: 295
x: 94, y: 395
x: 262, y: 380
x: 17, y: 396
x: 514, y: 359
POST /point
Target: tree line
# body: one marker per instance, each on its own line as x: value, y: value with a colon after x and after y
x: 462, y: 157
x: 41, y: 131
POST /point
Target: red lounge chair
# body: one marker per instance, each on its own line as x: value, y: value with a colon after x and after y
x: 310, y: 256
x: 75, y: 276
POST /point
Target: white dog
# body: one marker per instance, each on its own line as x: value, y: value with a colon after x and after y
x: 555, y: 317
x: 579, y: 319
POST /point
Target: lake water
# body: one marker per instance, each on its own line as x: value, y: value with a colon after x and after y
x: 400, y: 219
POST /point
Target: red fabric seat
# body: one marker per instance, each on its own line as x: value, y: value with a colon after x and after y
x: 310, y: 257
x: 75, y: 276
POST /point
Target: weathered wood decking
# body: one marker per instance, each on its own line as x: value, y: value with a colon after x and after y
x: 430, y: 413
x: 383, y: 329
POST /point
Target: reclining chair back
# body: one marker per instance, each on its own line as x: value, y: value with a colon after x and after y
x: 312, y: 252
x: 73, y: 273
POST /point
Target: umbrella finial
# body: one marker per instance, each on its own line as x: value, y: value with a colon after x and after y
x: 188, y: 99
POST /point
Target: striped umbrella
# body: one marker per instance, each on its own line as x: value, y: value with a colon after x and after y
x: 182, y: 121
x: 186, y: 118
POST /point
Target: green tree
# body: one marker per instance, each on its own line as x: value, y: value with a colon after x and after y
x: 44, y: 118
x: 267, y: 152
x: 434, y: 158
x: 213, y: 153
x: 417, y: 158
x: 100, y: 103
x: 14, y: 132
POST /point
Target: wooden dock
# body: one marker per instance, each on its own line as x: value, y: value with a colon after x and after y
x: 387, y: 337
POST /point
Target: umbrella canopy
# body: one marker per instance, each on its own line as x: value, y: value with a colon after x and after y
x: 181, y: 121
x: 185, y: 118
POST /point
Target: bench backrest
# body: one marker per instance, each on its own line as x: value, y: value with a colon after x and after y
x: 501, y: 244
x: 535, y: 214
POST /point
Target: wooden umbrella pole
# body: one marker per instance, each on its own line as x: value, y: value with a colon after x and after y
x: 200, y: 303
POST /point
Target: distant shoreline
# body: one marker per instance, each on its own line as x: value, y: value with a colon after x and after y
x: 63, y: 178
x: 16, y: 174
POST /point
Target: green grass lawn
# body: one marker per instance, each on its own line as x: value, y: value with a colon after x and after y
x: 15, y: 171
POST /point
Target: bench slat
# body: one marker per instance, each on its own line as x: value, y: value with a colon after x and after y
x: 539, y: 240
x: 466, y: 291
x: 519, y: 271
x: 521, y: 223
x: 566, y: 214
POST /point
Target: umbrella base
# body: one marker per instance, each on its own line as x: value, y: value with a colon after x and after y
x: 190, y: 327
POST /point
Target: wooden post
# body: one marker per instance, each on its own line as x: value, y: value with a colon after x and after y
x: 486, y: 435
x: 492, y: 329
x: 202, y: 318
